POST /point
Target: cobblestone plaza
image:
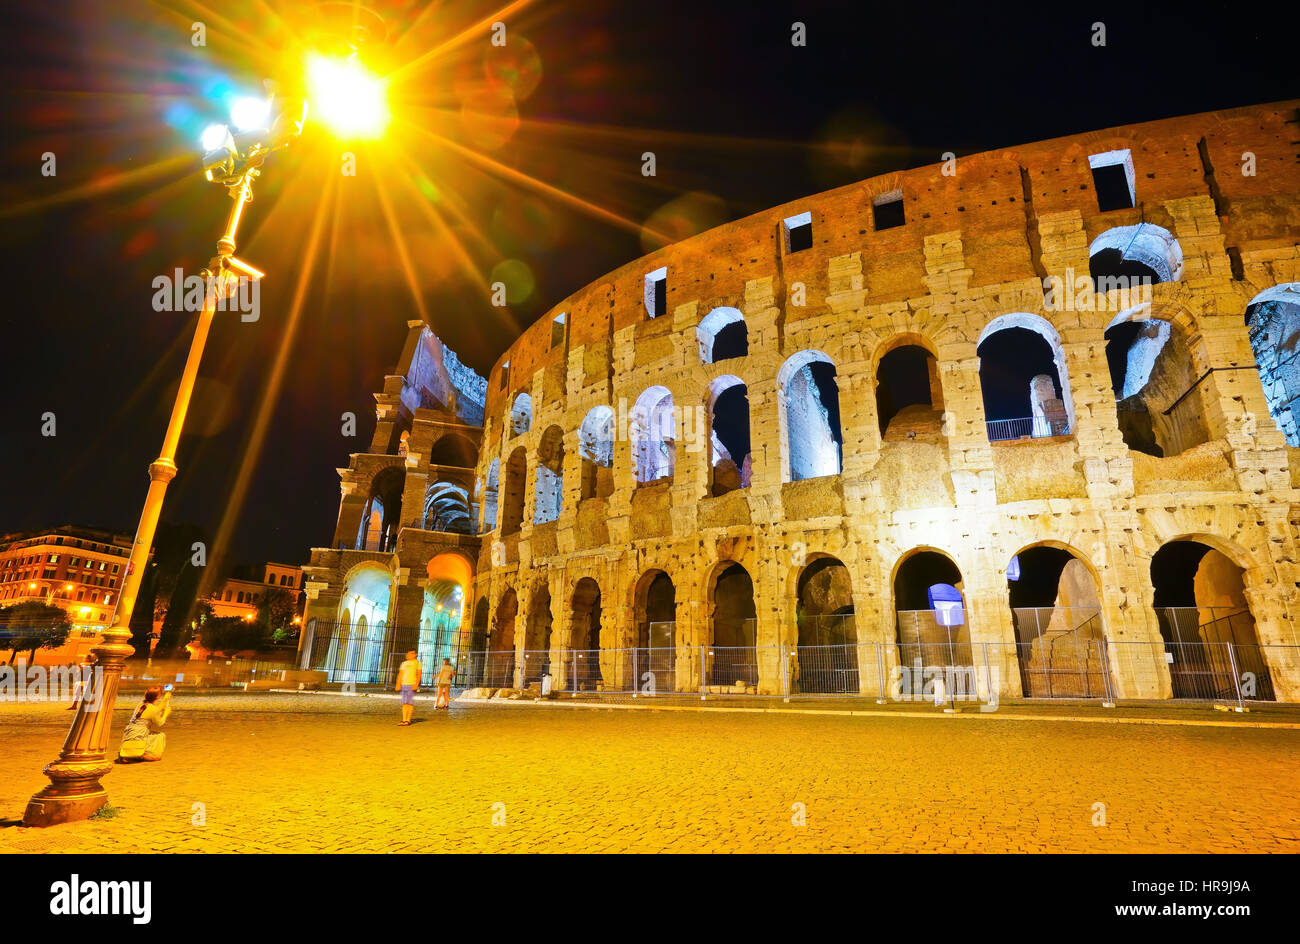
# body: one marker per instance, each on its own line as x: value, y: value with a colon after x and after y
x: 301, y: 773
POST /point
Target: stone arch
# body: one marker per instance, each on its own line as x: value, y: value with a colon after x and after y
x: 825, y: 658
x: 367, y: 598
x: 521, y: 415
x: 654, y: 612
x: 909, y: 394
x: 584, y: 634
x: 931, y: 611
x: 653, y: 433
x: 1205, y: 619
x: 1159, y: 404
x: 447, y: 578
x: 1056, y: 610
x: 537, y: 635
x: 1126, y: 253
x: 730, y: 458
x: 811, y: 406
x: 382, y: 515
x: 499, y: 671
x: 447, y: 507
x: 1023, y: 378
x: 731, y: 659
x: 512, y: 492
x: 478, y: 642
x: 596, y: 452
x: 548, y: 486
x: 722, y: 334
x: 490, y: 493
x: 455, y: 450
x: 1273, y: 320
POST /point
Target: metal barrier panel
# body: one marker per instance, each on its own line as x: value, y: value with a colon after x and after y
x: 1058, y: 653
x: 923, y: 640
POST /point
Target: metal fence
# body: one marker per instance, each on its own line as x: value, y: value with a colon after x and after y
x: 1058, y: 652
x: 1028, y: 427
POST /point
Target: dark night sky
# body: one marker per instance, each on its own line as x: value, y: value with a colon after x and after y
x: 912, y: 80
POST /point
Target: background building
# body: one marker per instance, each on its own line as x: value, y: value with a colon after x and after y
x: 77, y: 569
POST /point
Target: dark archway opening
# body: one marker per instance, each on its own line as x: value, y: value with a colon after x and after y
x: 909, y: 400
x: 732, y: 659
x: 826, y: 661
x: 1206, y: 624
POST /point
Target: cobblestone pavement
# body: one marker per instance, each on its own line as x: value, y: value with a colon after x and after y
x: 323, y: 773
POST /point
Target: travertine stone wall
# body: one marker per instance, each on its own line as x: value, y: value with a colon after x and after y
x: 976, y: 251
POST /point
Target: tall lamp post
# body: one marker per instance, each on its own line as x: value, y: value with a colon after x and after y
x: 351, y: 102
x: 75, y: 791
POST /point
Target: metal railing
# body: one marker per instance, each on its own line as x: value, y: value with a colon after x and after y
x: 1058, y: 652
x: 1028, y: 427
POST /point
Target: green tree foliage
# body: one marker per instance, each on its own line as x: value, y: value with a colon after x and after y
x: 32, y: 625
x: 231, y: 634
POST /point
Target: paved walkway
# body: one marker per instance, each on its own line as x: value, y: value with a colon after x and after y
x: 268, y: 772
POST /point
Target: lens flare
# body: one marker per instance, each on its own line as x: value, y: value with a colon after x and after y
x: 250, y: 114
x: 346, y: 98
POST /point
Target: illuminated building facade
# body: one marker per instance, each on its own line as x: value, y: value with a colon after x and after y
x: 1030, y: 408
x: 78, y: 569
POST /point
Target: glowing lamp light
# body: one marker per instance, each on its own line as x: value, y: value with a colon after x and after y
x: 214, y: 137
x: 348, y: 99
x: 250, y: 114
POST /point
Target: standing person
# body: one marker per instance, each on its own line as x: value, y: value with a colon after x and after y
x: 408, y: 683
x: 445, y: 676
x: 142, y: 738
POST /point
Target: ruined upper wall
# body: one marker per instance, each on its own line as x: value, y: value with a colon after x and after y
x: 994, y: 199
x: 435, y: 378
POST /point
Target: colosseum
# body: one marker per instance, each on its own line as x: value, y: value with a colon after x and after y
x: 1031, y: 410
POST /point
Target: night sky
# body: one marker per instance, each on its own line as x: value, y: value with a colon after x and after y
x: 735, y: 114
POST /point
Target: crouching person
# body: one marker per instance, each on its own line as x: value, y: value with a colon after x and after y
x: 142, y: 738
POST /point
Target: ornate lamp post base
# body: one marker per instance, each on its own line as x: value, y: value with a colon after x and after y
x: 51, y: 807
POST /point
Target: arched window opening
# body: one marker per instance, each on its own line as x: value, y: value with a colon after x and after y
x: 521, y: 414
x: 931, y: 611
x: 1056, y: 611
x: 512, y: 497
x: 1273, y: 319
x: 382, y: 515
x: 909, y: 397
x: 722, y: 335
x: 1134, y: 257
x: 653, y: 432
x: 731, y: 661
x: 1025, y: 387
x: 596, y: 450
x: 548, y: 496
x: 490, y: 492
x: 731, y: 465
x: 1158, y: 397
x: 1200, y: 604
x: 812, y: 416
x: 826, y: 662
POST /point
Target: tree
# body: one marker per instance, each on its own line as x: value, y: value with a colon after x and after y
x: 277, y: 608
x: 33, y: 625
x: 231, y: 634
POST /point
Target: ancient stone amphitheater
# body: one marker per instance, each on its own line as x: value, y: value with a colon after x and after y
x: 1029, y: 410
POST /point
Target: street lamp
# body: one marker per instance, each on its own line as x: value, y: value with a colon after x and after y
x: 75, y: 791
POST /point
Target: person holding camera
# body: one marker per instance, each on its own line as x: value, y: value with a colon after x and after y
x: 142, y: 738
